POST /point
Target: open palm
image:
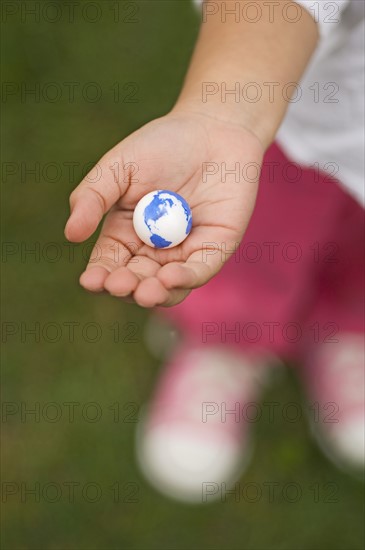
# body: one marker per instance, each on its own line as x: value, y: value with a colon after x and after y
x: 186, y: 153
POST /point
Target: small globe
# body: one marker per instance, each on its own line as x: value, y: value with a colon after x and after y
x: 162, y: 219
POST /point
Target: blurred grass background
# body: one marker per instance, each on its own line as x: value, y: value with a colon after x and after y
x: 147, y: 43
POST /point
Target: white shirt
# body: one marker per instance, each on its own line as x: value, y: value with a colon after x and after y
x: 324, y: 124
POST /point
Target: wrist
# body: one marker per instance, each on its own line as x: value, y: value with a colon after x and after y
x: 249, y: 120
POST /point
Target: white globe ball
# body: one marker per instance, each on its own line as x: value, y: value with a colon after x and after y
x: 162, y: 219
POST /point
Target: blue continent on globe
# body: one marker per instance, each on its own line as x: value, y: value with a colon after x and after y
x: 161, y: 206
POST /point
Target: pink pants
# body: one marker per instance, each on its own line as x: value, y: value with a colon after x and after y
x: 297, y: 276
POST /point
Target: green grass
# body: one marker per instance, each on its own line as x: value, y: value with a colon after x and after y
x: 152, y: 52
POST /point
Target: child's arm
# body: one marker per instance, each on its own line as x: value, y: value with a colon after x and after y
x: 270, y: 53
x: 174, y: 151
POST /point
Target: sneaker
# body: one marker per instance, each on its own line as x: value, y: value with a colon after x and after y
x: 195, y: 436
x: 334, y: 378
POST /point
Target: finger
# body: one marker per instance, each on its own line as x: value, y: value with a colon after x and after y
x: 162, y: 297
x: 195, y: 272
x: 94, y: 196
x: 124, y: 280
x: 110, y: 252
x: 138, y: 278
x: 209, y: 249
x: 151, y: 293
x: 121, y: 283
x: 93, y: 279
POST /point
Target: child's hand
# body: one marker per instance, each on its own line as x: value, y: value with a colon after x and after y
x: 168, y: 153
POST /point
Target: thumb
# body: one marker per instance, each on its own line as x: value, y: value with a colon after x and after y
x: 95, y: 195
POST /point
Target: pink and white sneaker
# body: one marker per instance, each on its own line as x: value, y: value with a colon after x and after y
x: 195, y: 435
x: 334, y: 377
